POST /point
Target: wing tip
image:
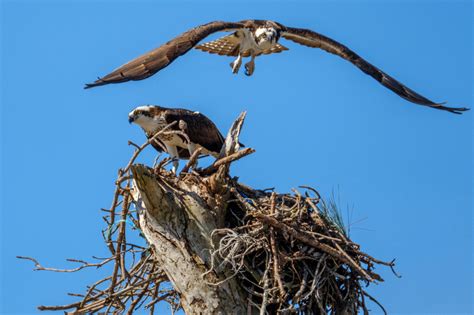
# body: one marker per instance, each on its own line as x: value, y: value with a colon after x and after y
x: 98, y: 82
x: 454, y: 110
x: 89, y: 85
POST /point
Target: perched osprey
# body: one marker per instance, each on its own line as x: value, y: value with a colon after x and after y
x: 200, y: 130
x: 252, y: 38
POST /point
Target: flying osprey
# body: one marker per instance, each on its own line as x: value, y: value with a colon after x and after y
x: 252, y: 38
x: 200, y: 130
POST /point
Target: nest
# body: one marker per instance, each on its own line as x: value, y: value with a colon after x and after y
x: 290, y: 252
x: 293, y: 254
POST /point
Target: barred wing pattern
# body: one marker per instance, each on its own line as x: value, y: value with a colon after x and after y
x: 230, y: 46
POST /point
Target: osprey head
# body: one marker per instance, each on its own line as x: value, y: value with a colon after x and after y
x: 144, y: 116
x: 266, y: 36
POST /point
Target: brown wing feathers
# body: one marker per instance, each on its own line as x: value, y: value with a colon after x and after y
x: 199, y: 128
x: 157, y: 59
x: 316, y: 40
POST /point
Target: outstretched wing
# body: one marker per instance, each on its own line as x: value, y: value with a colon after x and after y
x: 200, y: 129
x: 230, y: 46
x: 157, y: 59
x: 312, y: 39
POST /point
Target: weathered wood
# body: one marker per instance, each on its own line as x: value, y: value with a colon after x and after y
x: 178, y: 225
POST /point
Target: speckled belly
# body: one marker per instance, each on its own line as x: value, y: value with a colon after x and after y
x: 173, y: 140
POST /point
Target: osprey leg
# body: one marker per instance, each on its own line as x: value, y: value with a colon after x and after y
x: 173, y: 152
x: 191, y: 149
x: 235, y: 65
x: 250, y: 66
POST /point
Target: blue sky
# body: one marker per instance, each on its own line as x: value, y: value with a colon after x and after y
x: 313, y: 118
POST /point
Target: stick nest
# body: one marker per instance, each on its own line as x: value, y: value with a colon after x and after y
x: 293, y: 254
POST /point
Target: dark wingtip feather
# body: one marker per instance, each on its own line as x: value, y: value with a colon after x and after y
x: 416, y: 98
x: 454, y: 110
x: 98, y: 82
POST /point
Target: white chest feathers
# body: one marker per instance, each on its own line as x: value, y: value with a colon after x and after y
x: 151, y: 124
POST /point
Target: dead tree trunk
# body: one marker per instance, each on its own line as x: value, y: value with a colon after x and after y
x: 178, y: 226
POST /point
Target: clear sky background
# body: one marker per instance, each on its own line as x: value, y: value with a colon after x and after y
x: 404, y: 170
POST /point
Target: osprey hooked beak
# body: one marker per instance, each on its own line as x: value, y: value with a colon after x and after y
x: 132, y: 116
